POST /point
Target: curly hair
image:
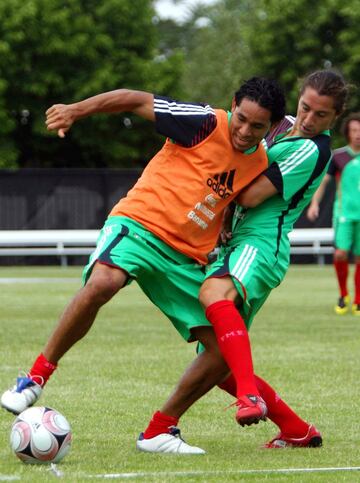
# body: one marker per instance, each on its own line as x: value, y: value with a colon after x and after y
x: 265, y: 92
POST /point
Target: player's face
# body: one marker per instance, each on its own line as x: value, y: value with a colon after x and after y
x: 249, y: 124
x: 354, y: 134
x: 315, y: 114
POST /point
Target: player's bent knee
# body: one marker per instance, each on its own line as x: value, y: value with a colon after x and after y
x: 216, y: 289
x: 104, y: 283
x: 340, y: 255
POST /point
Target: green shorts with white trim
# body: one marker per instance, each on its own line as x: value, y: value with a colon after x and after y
x: 169, y: 278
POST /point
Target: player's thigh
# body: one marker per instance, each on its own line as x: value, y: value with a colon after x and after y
x: 175, y: 291
x: 122, y: 244
x: 356, y: 244
x: 254, y: 273
x: 344, y: 234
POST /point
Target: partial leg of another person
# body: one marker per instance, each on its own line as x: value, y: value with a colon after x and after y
x: 356, y: 251
x: 356, y: 304
x: 218, y: 297
x: 341, y: 265
x: 343, y: 242
x: 176, y: 294
x: 73, y: 325
x: 106, y: 273
x: 205, y: 372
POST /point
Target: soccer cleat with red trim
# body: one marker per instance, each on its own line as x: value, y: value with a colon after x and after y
x: 23, y: 395
x: 342, y: 306
x: 170, y: 443
x: 312, y: 439
x: 251, y: 409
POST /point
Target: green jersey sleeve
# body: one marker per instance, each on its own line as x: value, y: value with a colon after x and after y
x: 296, y: 159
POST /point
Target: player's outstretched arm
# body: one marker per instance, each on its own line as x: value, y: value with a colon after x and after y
x: 60, y: 117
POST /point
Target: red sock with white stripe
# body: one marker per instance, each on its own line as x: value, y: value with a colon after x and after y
x: 234, y: 344
x: 160, y: 423
x: 42, y: 370
x: 279, y: 412
x: 342, y: 270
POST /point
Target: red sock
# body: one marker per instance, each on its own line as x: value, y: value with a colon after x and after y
x: 278, y: 411
x: 42, y: 370
x: 342, y: 270
x: 357, y: 284
x: 234, y: 344
x: 229, y: 385
x: 160, y: 423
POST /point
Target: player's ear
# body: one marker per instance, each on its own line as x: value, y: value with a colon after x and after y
x: 233, y: 104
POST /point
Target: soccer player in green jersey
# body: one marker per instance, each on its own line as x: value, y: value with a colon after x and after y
x: 340, y: 158
x: 348, y: 228
x: 255, y: 260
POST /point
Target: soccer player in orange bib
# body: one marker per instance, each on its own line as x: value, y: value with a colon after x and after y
x: 161, y: 233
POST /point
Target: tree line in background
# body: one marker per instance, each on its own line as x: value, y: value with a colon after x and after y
x: 59, y: 51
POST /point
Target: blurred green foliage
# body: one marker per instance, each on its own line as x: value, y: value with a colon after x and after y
x: 276, y: 38
x: 56, y: 51
x: 59, y: 51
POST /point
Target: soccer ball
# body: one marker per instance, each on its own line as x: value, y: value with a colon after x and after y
x: 40, y: 435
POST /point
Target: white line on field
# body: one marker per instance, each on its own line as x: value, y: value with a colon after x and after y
x: 55, y: 471
x: 11, y: 280
x: 195, y: 473
x: 214, y: 473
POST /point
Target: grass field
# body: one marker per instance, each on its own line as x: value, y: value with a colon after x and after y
x: 109, y: 384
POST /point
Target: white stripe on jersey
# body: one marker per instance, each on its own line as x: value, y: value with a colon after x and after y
x: 243, y: 264
x: 290, y: 118
x: 175, y: 108
x: 291, y: 159
x: 298, y: 157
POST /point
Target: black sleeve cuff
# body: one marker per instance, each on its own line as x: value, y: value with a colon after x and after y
x: 274, y: 175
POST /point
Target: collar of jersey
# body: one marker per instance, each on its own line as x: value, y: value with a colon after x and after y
x: 250, y: 150
x: 280, y: 137
x: 351, y: 152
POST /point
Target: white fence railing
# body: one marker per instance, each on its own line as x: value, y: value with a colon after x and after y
x: 65, y: 243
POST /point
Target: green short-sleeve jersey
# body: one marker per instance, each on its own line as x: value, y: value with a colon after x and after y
x: 297, y: 166
x: 349, y: 191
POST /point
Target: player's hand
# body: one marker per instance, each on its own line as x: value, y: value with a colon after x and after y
x: 225, y: 236
x: 60, y: 118
x: 313, y: 212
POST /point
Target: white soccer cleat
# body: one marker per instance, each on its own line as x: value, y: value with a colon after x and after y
x: 170, y: 443
x: 23, y: 395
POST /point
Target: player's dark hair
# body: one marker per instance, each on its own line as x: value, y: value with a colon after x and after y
x: 265, y: 92
x: 328, y: 83
x: 354, y: 116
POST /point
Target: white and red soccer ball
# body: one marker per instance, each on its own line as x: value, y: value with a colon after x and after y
x: 40, y: 435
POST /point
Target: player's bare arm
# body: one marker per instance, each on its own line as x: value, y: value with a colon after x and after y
x: 256, y: 192
x: 314, y: 208
x: 60, y: 117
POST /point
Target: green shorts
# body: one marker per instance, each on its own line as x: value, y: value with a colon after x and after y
x: 347, y: 235
x: 254, y: 271
x: 170, y: 279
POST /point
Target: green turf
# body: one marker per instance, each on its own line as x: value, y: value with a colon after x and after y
x: 109, y: 384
